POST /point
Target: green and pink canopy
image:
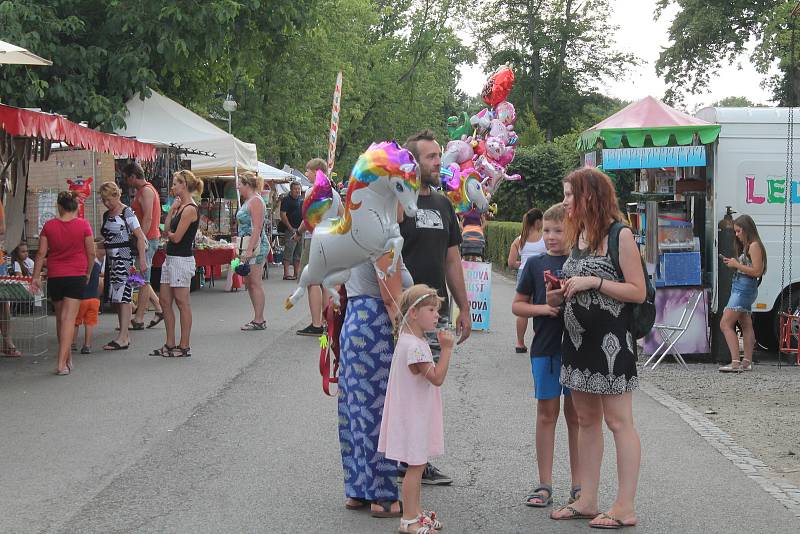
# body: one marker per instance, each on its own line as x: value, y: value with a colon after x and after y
x: 648, y: 122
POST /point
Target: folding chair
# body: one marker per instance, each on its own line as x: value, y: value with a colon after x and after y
x: 671, y: 334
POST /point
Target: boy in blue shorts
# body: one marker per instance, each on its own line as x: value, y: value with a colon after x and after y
x: 531, y: 301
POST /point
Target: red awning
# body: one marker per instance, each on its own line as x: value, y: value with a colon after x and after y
x: 24, y: 123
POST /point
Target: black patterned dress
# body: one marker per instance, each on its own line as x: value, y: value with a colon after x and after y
x: 598, y: 350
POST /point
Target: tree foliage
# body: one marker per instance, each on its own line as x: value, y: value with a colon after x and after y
x: 707, y: 34
x: 103, y: 51
x: 544, y: 167
x: 560, y: 50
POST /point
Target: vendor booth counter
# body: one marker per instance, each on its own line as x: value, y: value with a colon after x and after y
x: 210, y: 259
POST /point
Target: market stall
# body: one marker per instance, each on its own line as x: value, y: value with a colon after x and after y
x: 669, y: 151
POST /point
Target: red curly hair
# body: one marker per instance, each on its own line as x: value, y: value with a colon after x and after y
x: 594, y: 205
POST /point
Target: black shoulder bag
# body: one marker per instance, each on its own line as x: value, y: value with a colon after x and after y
x: 643, y: 316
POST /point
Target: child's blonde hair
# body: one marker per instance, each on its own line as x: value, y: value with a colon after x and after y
x: 414, y: 297
x: 555, y: 213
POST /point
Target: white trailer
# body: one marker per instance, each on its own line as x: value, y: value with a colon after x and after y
x: 747, y: 172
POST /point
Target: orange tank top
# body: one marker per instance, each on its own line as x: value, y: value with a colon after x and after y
x: 152, y: 232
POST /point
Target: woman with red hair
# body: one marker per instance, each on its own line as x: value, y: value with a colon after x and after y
x: 598, y: 350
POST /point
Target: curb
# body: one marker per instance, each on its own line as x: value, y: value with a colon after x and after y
x: 784, y: 492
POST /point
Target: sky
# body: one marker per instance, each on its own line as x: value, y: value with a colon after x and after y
x: 640, y: 34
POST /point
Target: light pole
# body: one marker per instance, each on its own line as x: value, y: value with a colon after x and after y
x: 230, y: 106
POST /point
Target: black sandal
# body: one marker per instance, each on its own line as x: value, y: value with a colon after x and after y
x: 179, y: 352
x: 163, y: 351
x: 136, y: 325
x: 113, y: 345
x: 158, y: 319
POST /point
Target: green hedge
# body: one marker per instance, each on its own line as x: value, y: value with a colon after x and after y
x: 499, y: 236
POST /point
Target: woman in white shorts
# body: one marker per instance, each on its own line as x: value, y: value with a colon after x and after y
x: 179, y: 266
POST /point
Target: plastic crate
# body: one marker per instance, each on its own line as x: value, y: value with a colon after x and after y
x: 679, y: 269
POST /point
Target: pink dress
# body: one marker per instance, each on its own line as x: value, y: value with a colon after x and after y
x: 412, y: 428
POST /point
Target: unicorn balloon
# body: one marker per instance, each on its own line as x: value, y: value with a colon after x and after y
x: 463, y: 189
x: 383, y: 176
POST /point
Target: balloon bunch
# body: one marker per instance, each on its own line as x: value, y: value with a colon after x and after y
x: 484, y: 143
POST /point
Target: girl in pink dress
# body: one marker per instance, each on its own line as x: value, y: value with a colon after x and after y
x: 412, y: 425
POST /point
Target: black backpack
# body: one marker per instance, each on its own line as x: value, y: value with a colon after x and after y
x: 643, y: 316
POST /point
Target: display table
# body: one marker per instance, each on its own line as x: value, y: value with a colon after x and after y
x: 211, y: 259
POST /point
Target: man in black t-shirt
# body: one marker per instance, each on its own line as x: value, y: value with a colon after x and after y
x: 431, y: 239
x: 292, y: 217
x: 430, y: 249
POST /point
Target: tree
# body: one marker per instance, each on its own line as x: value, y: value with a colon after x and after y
x: 104, y: 51
x: 560, y: 50
x: 707, y: 34
x: 543, y: 168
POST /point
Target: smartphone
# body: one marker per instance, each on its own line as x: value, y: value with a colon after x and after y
x: 723, y: 258
x: 555, y: 283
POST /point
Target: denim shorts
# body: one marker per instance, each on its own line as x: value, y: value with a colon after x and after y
x: 152, y: 248
x: 546, y: 369
x: 743, y: 293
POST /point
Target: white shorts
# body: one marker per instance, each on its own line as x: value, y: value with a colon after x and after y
x: 178, y: 271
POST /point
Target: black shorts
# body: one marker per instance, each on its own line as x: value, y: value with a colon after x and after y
x: 69, y: 287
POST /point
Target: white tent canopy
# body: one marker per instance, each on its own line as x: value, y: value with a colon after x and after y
x: 16, y: 55
x: 270, y: 173
x: 160, y: 119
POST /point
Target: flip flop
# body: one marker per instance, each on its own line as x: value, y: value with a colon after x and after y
x: 135, y: 325
x: 11, y: 352
x: 386, y: 510
x: 115, y: 346
x: 617, y: 523
x: 159, y: 317
x: 252, y: 325
x: 360, y: 503
x: 573, y: 514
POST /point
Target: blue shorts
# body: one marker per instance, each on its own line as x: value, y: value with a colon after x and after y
x: 149, y: 253
x: 743, y: 293
x: 546, y: 370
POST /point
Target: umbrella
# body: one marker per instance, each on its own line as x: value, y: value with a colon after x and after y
x: 13, y: 54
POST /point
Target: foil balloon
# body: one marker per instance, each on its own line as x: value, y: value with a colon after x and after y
x: 318, y: 201
x: 464, y: 189
x: 458, y: 127
x: 505, y: 113
x: 498, y: 86
x: 457, y: 152
x: 383, y: 176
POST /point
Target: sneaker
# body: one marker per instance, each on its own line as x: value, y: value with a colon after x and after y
x: 73, y: 347
x: 311, y: 331
x: 433, y: 477
x: 86, y: 349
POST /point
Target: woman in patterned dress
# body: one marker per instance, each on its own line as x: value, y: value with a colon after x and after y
x: 366, y: 348
x: 123, y: 241
x: 598, y: 350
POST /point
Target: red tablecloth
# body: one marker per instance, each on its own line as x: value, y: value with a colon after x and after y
x: 210, y: 258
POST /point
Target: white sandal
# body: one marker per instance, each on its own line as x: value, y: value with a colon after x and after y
x: 425, y: 527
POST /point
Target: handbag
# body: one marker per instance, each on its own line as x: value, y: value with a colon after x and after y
x: 244, y: 244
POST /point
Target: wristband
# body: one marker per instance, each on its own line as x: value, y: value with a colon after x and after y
x: 601, y: 284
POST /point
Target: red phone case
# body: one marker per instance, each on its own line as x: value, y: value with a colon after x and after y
x: 554, y: 282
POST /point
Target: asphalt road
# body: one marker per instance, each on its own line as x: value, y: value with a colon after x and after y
x: 240, y: 438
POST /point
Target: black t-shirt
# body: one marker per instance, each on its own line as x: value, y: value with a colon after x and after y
x: 92, y: 289
x: 293, y: 207
x: 426, y: 239
x: 548, y: 330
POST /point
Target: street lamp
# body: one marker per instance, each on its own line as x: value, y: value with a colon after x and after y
x: 230, y: 106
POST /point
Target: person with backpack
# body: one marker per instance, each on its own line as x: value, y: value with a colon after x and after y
x: 599, y: 347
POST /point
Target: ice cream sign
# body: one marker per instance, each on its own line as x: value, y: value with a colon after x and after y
x: 771, y: 190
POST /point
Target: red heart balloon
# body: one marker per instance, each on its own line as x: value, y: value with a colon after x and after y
x: 498, y: 86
